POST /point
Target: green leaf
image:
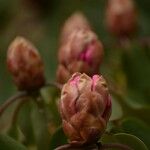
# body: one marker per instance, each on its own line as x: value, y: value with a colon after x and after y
x: 25, y: 123
x: 40, y: 127
x: 50, y: 97
x: 126, y: 139
x: 13, y: 131
x: 7, y: 143
x: 138, y: 128
x: 117, y: 112
x: 130, y: 140
x: 58, y: 139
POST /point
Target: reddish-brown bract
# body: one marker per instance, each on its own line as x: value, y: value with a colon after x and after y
x: 85, y: 108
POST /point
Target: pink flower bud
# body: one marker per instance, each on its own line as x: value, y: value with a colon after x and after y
x: 25, y: 65
x: 75, y: 22
x: 85, y: 108
x: 121, y: 17
x: 82, y: 53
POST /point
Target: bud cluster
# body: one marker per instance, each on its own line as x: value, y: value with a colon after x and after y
x: 85, y: 104
x: 80, y: 50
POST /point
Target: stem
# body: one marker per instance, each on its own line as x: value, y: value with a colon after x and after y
x: 55, y: 84
x: 115, y: 145
x: 11, y: 100
x: 71, y: 147
x: 15, y: 114
x: 95, y: 147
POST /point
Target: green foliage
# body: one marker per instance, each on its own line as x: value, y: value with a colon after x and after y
x: 138, y: 128
x: 7, y: 143
x: 126, y: 139
x: 58, y: 139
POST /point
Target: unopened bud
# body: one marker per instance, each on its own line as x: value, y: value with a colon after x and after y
x: 75, y: 22
x: 85, y: 108
x: 62, y: 74
x: 82, y: 53
x: 25, y: 65
x: 121, y: 17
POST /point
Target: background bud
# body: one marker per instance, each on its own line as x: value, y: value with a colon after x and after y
x: 121, y: 17
x: 25, y: 65
x: 82, y: 52
x: 62, y: 74
x: 85, y: 108
x: 75, y: 22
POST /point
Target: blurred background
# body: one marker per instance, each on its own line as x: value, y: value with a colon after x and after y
x: 127, y: 70
x: 40, y: 21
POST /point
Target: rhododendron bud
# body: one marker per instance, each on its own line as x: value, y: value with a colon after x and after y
x: 121, y: 17
x: 82, y: 53
x: 85, y: 108
x: 25, y: 65
x: 75, y: 22
x: 62, y: 74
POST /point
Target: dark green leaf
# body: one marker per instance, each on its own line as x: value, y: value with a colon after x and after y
x: 58, y: 139
x: 25, y: 123
x: 138, y: 128
x: 126, y: 139
x: 130, y: 140
x: 40, y: 126
x: 7, y: 143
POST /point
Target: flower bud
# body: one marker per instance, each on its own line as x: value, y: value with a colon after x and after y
x: 75, y: 22
x: 82, y: 53
x: 85, y: 108
x: 121, y: 17
x: 62, y: 74
x: 25, y: 65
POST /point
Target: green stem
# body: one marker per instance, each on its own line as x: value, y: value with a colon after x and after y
x: 55, y: 84
x: 17, y: 109
x: 11, y: 100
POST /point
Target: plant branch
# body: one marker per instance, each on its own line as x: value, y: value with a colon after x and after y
x: 11, y: 100
x: 95, y: 147
x: 55, y: 84
x: 71, y: 147
x: 17, y: 109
